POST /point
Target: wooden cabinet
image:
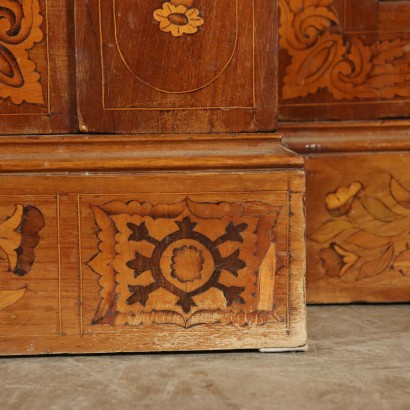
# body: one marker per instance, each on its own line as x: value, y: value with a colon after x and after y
x: 344, y: 104
x: 168, y: 216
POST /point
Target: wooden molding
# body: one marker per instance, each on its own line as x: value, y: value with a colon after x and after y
x: 343, y: 136
x: 175, y: 152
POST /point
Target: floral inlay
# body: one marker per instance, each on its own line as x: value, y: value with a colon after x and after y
x: 366, y: 235
x: 186, y: 263
x: 339, y: 202
x: 178, y: 17
x: 19, y: 236
x: 322, y: 56
x: 20, y: 30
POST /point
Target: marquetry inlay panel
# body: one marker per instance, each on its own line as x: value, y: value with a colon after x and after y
x: 338, y: 55
x: 37, y: 87
x: 187, y: 262
x: 209, y: 262
x: 23, y: 70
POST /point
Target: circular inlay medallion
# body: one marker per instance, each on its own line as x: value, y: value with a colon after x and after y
x: 187, y: 264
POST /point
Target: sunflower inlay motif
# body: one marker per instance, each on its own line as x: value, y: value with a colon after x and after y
x: 178, y: 17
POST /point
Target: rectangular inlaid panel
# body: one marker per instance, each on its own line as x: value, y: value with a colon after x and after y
x: 29, y: 267
x: 344, y: 59
x: 358, y: 227
x: 37, y: 90
x: 106, y: 263
x: 176, y: 66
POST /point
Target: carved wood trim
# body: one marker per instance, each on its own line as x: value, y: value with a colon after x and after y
x: 20, y: 29
x: 323, y: 58
x: 127, y: 152
x: 358, y: 136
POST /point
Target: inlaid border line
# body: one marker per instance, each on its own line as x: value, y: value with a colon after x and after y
x: 181, y: 108
x: 80, y: 266
x: 60, y: 320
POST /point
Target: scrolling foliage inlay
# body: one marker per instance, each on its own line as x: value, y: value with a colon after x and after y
x: 323, y: 58
x: 20, y: 29
x: 365, y: 236
x: 186, y: 263
x: 19, y: 236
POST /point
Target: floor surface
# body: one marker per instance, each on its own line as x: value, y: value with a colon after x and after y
x: 358, y: 358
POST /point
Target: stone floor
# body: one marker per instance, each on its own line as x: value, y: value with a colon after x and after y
x: 358, y: 358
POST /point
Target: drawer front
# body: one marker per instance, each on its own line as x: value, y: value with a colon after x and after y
x: 152, y: 262
x: 176, y: 66
x: 358, y: 227
x: 37, y: 90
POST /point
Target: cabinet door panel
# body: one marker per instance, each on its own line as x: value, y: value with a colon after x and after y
x: 36, y: 90
x: 179, y: 66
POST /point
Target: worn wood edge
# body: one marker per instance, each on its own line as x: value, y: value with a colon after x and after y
x: 345, y: 297
x: 297, y: 270
x: 128, y: 153
x: 344, y: 136
x: 92, y: 344
x: 107, y: 137
x: 303, y: 348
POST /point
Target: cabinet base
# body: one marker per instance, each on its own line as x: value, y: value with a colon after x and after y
x: 160, y: 260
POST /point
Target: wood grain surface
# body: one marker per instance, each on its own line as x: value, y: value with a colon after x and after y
x: 143, y: 152
x: 347, y: 136
x: 175, y: 67
x: 358, y: 224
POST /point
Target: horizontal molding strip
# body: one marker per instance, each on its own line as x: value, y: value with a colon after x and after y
x: 77, y: 153
x: 341, y: 136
